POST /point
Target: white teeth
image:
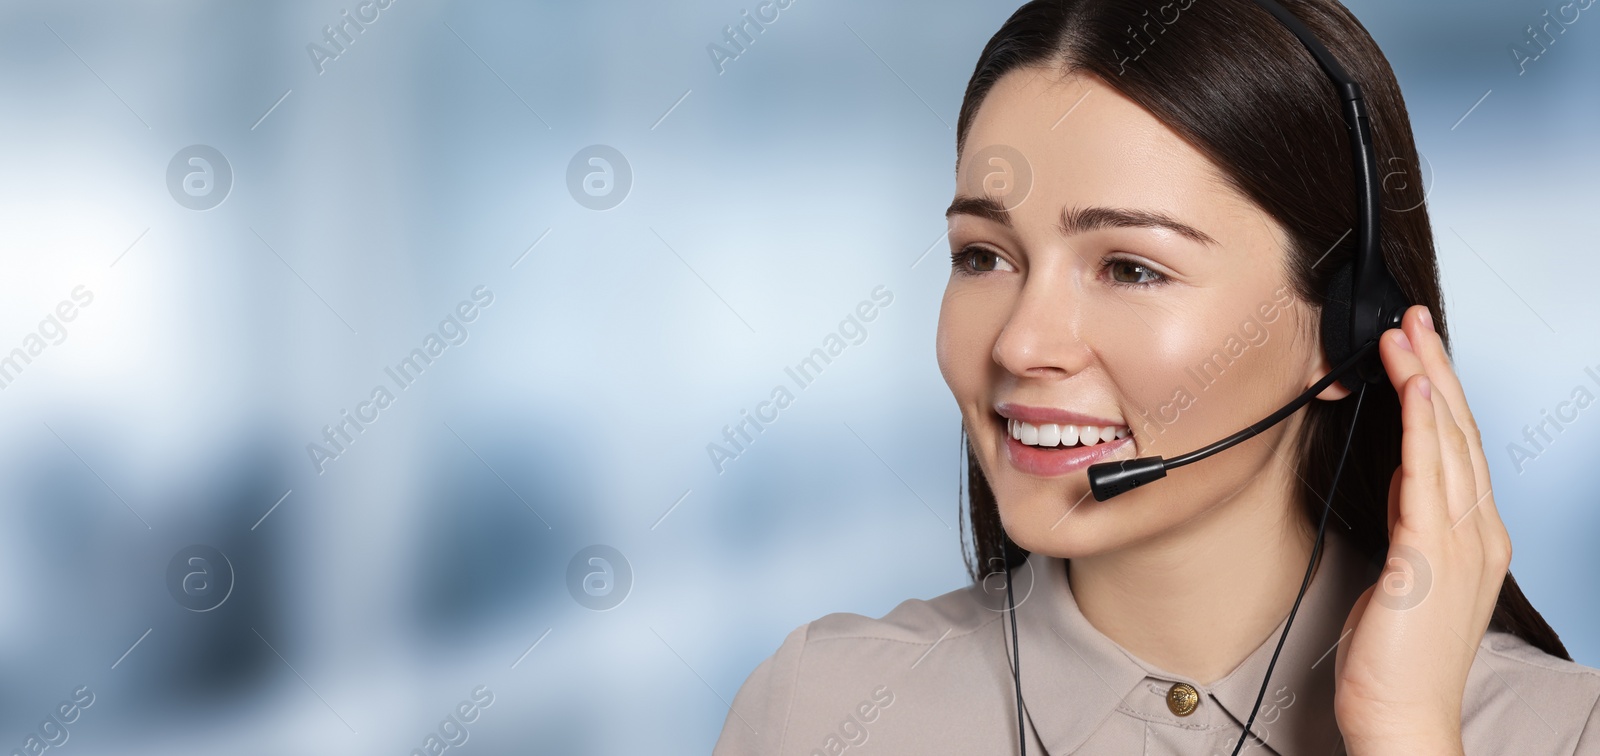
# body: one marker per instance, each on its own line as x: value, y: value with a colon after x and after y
x: 1049, y: 435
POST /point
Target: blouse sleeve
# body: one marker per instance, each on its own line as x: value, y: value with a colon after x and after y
x: 757, y: 721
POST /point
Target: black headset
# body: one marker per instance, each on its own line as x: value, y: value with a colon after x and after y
x: 1363, y: 301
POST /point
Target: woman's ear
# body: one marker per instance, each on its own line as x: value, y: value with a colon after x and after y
x: 1319, y: 368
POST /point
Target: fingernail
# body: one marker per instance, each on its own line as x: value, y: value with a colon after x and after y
x: 1404, y: 342
x: 1427, y: 319
x: 1425, y: 387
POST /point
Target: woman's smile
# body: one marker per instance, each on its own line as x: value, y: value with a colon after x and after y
x: 1049, y: 442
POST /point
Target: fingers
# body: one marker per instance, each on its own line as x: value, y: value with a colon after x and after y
x: 1455, y: 458
x: 1429, y: 347
x: 1441, y: 488
x: 1403, y: 358
x: 1423, y: 495
x: 1399, y: 354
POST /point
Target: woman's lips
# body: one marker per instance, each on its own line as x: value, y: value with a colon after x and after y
x: 1050, y: 463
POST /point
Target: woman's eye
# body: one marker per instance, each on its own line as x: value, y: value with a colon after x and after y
x: 975, y: 260
x: 1131, y: 273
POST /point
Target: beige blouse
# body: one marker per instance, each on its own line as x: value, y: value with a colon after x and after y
x: 931, y: 677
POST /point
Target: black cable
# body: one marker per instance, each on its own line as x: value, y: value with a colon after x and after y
x: 1016, y: 664
x: 1316, y: 548
x: 1286, y: 410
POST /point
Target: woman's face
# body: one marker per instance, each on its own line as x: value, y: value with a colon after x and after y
x: 1121, y: 285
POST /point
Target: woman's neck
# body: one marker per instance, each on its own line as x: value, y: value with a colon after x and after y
x: 1197, y: 602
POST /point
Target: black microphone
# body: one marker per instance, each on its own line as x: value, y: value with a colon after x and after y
x: 1107, y: 479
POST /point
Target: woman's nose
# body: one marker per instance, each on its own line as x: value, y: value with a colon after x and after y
x: 1043, y: 336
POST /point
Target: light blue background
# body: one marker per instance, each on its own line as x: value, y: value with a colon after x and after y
x: 776, y: 195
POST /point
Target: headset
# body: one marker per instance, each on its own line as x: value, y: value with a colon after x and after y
x: 1363, y: 301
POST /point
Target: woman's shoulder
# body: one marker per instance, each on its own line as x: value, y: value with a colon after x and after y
x: 1521, y: 699
x: 909, y: 622
x: 833, y: 677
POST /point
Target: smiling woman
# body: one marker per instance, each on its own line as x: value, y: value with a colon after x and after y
x: 1165, y: 204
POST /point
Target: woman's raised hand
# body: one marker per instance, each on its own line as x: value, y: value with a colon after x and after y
x: 1413, y: 635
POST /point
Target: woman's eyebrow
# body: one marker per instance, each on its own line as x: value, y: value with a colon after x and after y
x: 1078, y: 220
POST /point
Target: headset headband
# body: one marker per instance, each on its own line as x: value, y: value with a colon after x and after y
x: 1364, y: 299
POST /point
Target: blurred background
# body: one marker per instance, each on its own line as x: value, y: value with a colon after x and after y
x: 532, y: 258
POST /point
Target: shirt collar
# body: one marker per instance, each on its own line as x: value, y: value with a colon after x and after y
x: 1074, y: 677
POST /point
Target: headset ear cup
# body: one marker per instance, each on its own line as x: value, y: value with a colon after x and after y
x: 1336, y: 320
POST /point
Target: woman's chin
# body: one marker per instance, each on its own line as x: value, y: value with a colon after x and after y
x: 1063, y: 526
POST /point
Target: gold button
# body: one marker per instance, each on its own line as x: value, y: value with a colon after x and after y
x: 1182, y: 699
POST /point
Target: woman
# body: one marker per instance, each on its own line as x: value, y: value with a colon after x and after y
x: 1150, y: 202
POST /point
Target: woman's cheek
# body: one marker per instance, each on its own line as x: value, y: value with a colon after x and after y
x: 1194, y: 385
x: 965, y: 341
x: 1152, y: 375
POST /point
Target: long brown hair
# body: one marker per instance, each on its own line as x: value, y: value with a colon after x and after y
x: 1233, y: 82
